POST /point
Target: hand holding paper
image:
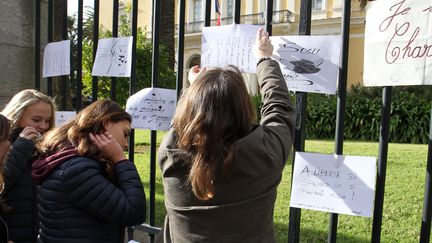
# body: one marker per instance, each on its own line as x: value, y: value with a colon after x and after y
x: 263, y: 46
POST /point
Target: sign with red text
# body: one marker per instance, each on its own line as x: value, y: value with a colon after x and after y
x: 229, y: 45
x: 334, y: 183
x: 309, y: 63
x: 398, y: 43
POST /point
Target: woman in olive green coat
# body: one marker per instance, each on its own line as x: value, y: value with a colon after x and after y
x: 220, y: 170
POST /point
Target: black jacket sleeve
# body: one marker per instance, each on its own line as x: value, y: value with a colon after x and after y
x: 88, y: 189
x: 17, y: 161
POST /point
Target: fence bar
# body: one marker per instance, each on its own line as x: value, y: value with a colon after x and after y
x: 64, y: 37
x: 78, y: 98
x: 237, y: 8
x: 37, y: 43
x: 427, y: 204
x: 132, y: 90
x: 269, y: 17
x: 95, y: 87
x: 113, y: 90
x: 207, y: 13
x: 382, y: 164
x: 341, y: 101
x: 300, y: 125
x: 155, y: 79
x: 180, y: 48
x: 50, y: 39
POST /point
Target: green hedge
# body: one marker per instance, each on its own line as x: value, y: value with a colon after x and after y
x: 409, y: 122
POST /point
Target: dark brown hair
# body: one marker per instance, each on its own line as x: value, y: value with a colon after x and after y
x: 76, y: 132
x: 213, y: 113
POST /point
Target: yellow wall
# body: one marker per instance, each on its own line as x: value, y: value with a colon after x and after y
x: 326, y: 22
x: 144, y: 13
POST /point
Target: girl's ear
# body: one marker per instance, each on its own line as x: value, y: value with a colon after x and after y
x: 105, y: 125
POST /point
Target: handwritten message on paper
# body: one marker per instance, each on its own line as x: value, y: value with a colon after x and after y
x: 229, y: 44
x: 334, y: 183
x: 309, y: 63
x: 63, y: 116
x: 56, y: 60
x: 152, y: 108
x: 398, y: 43
x: 113, y: 57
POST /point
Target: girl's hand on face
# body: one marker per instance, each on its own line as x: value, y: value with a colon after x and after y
x: 31, y: 133
x: 194, y: 72
x: 110, y: 148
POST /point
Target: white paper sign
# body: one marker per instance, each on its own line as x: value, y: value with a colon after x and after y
x: 398, y: 43
x: 152, y: 108
x: 63, y: 116
x: 229, y: 44
x: 309, y: 63
x: 332, y: 183
x: 56, y: 60
x: 113, y: 57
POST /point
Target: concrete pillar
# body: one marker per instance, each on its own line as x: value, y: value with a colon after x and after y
x: 17, y: 46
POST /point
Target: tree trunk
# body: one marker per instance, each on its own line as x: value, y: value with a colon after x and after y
x: 167, y: 31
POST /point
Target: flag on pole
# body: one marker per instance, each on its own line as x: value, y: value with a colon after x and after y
x: 218, y: 12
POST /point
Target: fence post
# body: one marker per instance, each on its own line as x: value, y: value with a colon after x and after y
x: 155, y: 79
x: 95, y: 87
x: 382, y: 164
x: 37, y: 42
x: 300, y: 124
x: 427, y: 205
x: 180, y: 48
x: 341, y: 101
x: 114, y: 34
x: 78, y: 95
x: 50, y: 39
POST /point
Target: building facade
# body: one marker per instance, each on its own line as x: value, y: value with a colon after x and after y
x: 326, y: 20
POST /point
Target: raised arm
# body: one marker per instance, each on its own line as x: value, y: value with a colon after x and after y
x: 277, y: 113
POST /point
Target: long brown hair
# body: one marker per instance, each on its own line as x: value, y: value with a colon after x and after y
x: 76, y: 132
x: 214, y: 112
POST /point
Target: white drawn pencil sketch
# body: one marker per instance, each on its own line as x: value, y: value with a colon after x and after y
x: 113, y: 57
x: 56, y: 60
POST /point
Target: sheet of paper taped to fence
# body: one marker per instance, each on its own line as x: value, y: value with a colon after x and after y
x: 334, y: 183
x: 113, y: 57
x: 229, y: 44
x: 152, y: 108
x: 56, y: 60
x: 309, y: 63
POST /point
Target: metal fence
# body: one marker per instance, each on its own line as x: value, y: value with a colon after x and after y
x: 269, y: 19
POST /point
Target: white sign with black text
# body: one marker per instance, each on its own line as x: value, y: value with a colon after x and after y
x: 152, y: 108
x: 334, y: 183
x: 309, y: 63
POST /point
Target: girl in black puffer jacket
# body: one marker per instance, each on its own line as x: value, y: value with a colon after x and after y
x: 31, y: 114
x: 89, y: 190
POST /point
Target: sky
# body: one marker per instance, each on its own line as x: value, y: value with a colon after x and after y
x: 73, y: 5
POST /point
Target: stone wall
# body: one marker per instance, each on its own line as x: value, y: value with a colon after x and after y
x: 17, y: 46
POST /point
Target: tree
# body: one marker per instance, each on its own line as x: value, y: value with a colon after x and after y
x: 143, y: 65
x: 167, y: 29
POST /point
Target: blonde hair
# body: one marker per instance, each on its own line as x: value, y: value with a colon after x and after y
x: 23, y: 99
